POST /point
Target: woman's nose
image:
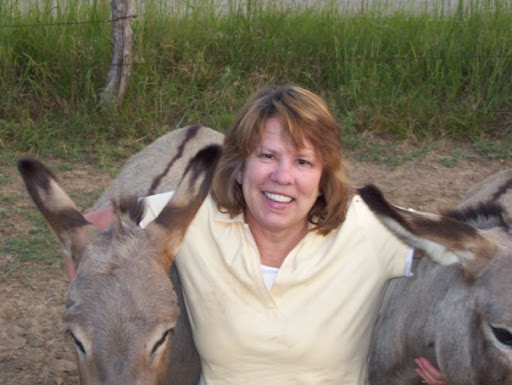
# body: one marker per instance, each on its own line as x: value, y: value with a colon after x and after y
x: 282, y: 173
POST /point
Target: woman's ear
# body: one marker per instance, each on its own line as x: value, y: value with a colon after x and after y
x: 240, y: 175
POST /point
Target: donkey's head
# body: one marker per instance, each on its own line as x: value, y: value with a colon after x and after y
x: 121, y: 308
x: 474, y: 319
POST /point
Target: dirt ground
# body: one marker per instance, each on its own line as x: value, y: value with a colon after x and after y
x: 34, y: 348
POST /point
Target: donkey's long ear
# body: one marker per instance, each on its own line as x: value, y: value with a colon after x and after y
x: 58, y: 209
x: 194, y: 186
x: 446, y: 241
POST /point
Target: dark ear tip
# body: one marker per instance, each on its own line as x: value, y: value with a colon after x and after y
x: 209, y: 154
x: 206, y: 158
x: 24, y: 164
x: 28, y: 165
x: 369, y: 191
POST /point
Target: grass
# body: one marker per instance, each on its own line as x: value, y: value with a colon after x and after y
x: 30, y: 252
x: 37, y: 246
x: 451, y: 161
x: 495, y: 149
x: 411, y: 75
x: 390, y: 154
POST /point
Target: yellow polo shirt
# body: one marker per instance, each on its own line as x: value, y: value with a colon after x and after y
x: 313, y: 327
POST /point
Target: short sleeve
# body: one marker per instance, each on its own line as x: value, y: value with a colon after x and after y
x: 394, y: 253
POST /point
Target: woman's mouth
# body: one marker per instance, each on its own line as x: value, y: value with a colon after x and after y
x: 278, y: 197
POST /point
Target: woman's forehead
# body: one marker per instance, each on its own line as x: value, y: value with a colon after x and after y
x: 274, y: 136
x: 274, y: 129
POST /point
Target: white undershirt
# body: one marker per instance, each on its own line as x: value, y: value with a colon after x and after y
x: 269, y: 275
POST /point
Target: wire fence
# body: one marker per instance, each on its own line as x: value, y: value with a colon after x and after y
x: 320, y: 74
x: 67, y: 23
x: 313, y: 61
x: 167, y: 65
x: 214, y: 62
x: 243, y: 61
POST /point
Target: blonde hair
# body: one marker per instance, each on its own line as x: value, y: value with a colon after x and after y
x: 305, y: 117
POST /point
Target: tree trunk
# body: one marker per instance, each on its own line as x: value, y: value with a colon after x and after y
x: 119, y: 73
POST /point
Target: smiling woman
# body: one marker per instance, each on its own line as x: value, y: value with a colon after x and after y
x: 280, y: 184
x: 283, y: 266
x: 300, y: 123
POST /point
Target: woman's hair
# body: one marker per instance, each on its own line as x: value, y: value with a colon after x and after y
x: 305, y: 117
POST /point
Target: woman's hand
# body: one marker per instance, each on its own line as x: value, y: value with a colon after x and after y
x: 430, y: 374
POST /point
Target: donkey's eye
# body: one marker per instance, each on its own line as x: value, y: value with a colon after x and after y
x: 161, y: 341
x: 502, y: 335
x: 78, y: 345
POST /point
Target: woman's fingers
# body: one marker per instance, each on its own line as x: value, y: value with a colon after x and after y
x: 430, y: 374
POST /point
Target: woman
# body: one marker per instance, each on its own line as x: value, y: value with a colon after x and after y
x: 283, y: 267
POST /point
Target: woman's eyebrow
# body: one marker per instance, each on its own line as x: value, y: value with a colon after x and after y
x: 306, y: 152
x: 265, y: 148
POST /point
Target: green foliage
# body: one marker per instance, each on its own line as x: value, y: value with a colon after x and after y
x: 391, y: 154
x: 421, y: 74
x: 38, y: 247
x: 450, y: 161
x: 495, y: 149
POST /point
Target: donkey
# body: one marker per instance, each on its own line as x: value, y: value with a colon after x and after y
x: 158, y: 167
x: 121, y: 309
x: 457, y: 316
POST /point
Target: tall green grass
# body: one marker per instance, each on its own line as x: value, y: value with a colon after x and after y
x: 419, y: 74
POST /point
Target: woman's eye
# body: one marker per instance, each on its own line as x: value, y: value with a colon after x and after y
x: 304, y: 162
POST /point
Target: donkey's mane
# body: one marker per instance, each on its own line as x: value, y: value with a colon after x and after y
x: 130, y: 206
x: 128, y: 212
x: 485, y: 215
x: 502, y: 190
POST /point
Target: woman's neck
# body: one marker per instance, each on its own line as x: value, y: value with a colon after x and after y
x: 275, y: 246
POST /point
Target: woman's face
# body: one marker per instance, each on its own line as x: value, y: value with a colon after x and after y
x: 280, y: 183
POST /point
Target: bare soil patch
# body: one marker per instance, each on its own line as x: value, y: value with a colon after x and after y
x: 34, y: 348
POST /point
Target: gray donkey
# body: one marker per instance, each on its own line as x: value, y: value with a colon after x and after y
x: 459, y: 316
x: 121, y: 310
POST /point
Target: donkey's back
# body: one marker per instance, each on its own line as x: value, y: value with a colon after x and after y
x: 159, y: 166
x: 496, y: 188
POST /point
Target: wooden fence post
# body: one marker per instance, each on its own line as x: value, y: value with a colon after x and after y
x: 123, y: 12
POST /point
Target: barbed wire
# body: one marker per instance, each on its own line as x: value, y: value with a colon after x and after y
x: 246, y: 62
x: 68, y: 23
